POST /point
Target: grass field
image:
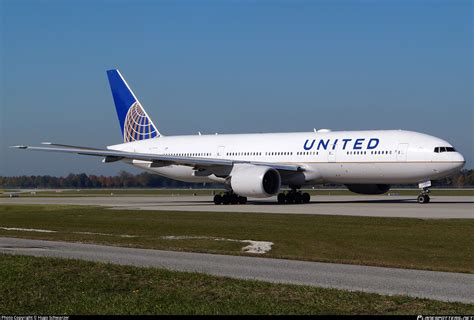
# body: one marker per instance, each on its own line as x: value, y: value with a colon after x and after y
x: 33, y: 285
x: 210, y: 192
x: 444, y: 245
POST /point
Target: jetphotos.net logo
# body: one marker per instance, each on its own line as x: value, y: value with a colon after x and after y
x: 420, y: 317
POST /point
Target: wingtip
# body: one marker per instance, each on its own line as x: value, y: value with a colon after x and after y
x: 19, y: 147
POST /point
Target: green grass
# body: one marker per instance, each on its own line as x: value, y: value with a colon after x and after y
x: 33, y: 285
x: 210, y: 192
x: 443, y: 245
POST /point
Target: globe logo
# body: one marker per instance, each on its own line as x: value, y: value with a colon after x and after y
x: 137, y: 125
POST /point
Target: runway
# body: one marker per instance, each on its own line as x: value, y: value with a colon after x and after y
x: 390, y: 281
x: 440, y: 207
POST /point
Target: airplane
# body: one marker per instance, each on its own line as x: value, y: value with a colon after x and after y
x: 259, y: 164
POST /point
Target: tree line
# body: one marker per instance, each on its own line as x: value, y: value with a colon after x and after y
x: 122, y: 180
x: 464, y: 178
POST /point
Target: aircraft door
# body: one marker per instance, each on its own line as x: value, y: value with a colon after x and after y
x: 402, y: 152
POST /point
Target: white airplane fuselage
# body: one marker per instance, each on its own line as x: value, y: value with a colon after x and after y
x: 346, y: 157
x: 257, y: 165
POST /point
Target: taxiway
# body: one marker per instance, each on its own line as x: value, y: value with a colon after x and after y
x: 441, y: 207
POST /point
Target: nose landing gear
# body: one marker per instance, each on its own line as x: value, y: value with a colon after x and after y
x: 424, y: 197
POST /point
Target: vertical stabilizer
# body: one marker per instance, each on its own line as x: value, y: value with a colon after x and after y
x: 134, y: 121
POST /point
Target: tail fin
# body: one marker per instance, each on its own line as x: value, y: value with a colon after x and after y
x: 134, y: 121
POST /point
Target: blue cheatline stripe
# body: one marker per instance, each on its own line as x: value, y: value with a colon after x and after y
x: 123, y: 97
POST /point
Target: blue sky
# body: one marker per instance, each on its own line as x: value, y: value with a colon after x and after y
x: 230, y: 67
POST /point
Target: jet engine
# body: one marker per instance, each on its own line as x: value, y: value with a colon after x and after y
x: 255, y: 181
x: 368, y: 188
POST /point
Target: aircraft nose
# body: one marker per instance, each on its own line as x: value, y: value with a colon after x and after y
x: 458, y: 160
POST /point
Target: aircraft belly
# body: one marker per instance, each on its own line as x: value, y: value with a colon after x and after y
x: 389, y: 173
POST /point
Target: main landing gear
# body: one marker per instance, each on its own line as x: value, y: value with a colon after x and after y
x: 293, y: 196
x: 229, y: 198
x: 424, y: 197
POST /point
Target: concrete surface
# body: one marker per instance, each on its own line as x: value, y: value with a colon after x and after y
x: 441, y: 207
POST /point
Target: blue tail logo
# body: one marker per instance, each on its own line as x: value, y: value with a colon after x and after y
x: 134, y: 121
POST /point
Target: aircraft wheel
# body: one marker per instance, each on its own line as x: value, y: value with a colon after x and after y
x: 226, y: 199
x: 423, y: 198
x: 242, y: 200
x: 427, y: 198
x: 217, y: 199
x: 298, y: 198
x: 234, y: 199
x: 290, y: 198
x: 281, y: 198
x: 306, y: 197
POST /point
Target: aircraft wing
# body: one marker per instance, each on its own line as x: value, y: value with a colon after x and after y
x: 156, y: 160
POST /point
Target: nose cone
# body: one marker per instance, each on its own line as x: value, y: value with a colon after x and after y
x: 458, y: 160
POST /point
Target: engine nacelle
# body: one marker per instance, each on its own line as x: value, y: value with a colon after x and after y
x: 368, y: 188
x: 255, y: 181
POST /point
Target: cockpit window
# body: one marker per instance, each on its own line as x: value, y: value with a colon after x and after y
x: 444, y: 149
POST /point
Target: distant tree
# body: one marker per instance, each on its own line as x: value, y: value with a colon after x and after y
x: 459, y: 182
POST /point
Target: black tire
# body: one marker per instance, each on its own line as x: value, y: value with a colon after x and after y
x: 298, y: 198
x: 427, y: 198
x: 421, y: 198
x: 242, y: 200
x: 306, y: 197
x: 281, y: 198
x: 234, y: 199
x: 226, y: 199
x: 217, y: 199
x: 290, y: 198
